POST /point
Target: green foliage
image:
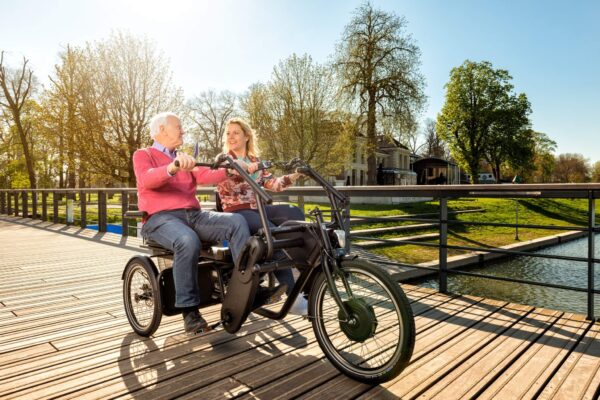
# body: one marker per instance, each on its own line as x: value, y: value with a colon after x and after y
x: 482, y: 118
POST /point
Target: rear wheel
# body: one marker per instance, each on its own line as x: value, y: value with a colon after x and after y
x: 141, y: 296
x: 375, y: 344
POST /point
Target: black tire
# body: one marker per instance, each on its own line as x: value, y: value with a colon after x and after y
x: 377, y: 344
x: 141, y: 296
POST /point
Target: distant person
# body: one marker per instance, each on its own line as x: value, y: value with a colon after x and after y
x: 237, y: 196
x: 442, y: 179
x: 380, y: 179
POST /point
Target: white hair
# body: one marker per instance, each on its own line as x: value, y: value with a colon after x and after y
x: 158, y: 120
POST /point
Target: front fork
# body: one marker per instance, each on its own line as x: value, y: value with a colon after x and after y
x: 330, y: 266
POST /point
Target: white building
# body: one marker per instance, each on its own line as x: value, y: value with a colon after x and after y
x: 393, y: 161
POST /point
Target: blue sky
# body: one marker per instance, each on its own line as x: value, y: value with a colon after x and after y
x: 551, y: 48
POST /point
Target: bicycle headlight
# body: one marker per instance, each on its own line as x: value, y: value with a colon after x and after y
x: 340, y: 234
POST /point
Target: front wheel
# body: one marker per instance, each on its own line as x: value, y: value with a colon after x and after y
x: 375, y: 344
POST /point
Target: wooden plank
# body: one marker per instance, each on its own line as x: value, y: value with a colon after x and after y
x: 9, y: 359
x: 87, y: 377
x: 469, y: 377
x: 527, y: 374
x: 579, y: 376
x: 438, y: 350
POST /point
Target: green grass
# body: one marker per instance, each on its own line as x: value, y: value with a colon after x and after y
x: 560, y: 212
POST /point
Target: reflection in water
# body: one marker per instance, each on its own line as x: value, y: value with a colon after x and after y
x: 559, y: 272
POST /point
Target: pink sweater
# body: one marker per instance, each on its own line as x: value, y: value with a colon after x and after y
x: 157, y: 191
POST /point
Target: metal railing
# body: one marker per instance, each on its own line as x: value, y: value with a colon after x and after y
x: 26, y: 203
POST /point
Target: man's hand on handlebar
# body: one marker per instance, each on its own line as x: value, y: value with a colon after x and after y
x: 185, y: 162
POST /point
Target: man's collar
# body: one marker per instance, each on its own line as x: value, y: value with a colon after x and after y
x: 164, y: 150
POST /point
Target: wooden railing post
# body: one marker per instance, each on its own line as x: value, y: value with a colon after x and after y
x: 34, y: 205
x: 44, y: 206
x: 124, y: 207
x: 101, y: 211
x: 443, y: 251
x: 25, y: 204
x: 9, y: 203
x: 301, y: 203
x: 2, y: 202
x: 55, y: 198
x: 16, y: 204
x: 83, y: 206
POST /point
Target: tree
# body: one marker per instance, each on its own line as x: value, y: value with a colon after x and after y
x: 62, y: 103
x: 129, y: 82
x: 209, y: 113
x: 509, y: 139
x: 543, y: 158
x: 478, y: 98
x: 17, y: 89
x: 571, y: 168
x: 295, y: 115
x: 378, y: 64
x: 434, y: 145
x: 596, y: 172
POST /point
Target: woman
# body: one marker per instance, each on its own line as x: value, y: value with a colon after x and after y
x: 239, y: 141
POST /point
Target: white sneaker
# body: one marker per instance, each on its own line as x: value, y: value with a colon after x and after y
x: 300, y: 306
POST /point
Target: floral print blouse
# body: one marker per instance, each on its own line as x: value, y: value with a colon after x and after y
x: 236, y: 194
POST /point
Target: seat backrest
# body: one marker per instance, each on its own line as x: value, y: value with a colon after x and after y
x: 218, y: 204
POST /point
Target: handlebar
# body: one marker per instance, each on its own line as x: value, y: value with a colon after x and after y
x: 264, y: 164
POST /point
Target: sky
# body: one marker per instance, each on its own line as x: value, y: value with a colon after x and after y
x: 551, y: 48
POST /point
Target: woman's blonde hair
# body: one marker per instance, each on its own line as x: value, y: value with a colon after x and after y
x: 251, y: 145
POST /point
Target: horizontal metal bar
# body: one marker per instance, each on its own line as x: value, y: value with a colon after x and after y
x: 531, y: 226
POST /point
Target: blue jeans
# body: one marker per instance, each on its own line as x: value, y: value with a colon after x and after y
x: 276, y: 215
x: 182, y: 231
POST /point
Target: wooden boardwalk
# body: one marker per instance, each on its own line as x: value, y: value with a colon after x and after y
x: 63, y: 333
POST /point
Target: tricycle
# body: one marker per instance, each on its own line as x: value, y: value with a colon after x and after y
x: 361, y: 318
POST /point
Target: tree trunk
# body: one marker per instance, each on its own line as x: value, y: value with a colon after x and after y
x: 371, y: 141
x: 26, y: 153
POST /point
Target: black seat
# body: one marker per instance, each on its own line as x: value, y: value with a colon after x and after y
x: 210, y: 251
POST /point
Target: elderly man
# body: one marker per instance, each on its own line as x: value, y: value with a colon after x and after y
x: 167, y: 192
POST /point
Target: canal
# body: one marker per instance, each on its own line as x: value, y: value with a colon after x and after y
x: 536, y: 269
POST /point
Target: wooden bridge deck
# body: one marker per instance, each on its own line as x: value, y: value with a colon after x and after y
x: 63, y: 333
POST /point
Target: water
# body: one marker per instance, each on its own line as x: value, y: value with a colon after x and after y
x: 569, y: 273
x: 109, y: 228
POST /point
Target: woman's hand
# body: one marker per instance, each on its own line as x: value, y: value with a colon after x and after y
x: 252, y: 167
x: 295, y: 176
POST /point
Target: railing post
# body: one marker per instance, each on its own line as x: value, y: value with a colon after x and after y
x: 9, y: 203
x: 301, y: 203
x: 83, y: 206
x: 443, y: 250
x: 101, y: 211
x: 16, y: 204
x: 55, y: 197
x: 2, y: 202
x: 25, y: 204
x: 124, y: 207
x: 591, y: 253
x: 44, y: 206
x: 34, y: 204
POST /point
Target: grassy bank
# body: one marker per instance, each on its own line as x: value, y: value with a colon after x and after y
x: 560, y: 212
